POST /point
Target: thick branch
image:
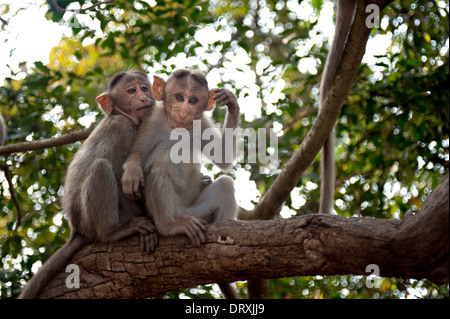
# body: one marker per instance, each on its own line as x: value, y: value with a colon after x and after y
x: 415, y: 247
x: 271, y: 201
x: 48, y: 142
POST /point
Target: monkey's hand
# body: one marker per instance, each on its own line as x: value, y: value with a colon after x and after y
x: 193, y: 227
x: 132, y: 179
x: 226, y: 98
x: 147, y: 231
x: 205, y: 181
x: 149, y: 241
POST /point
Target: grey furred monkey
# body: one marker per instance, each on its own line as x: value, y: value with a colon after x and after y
x: 93, y: 199
x: 174, y: 196
x: 173, y: 191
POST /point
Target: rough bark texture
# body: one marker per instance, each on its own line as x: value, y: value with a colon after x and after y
x: 415, y: 247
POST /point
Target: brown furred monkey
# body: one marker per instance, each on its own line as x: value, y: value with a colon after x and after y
x: 173, y: 192
x: 95, y: 205
x: 345, y: 12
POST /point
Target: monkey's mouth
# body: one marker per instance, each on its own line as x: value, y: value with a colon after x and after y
x: 187, y: 126
x: 145, y: 107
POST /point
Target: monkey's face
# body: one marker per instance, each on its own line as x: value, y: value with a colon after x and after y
x: 133, y: 95
x: 139, y: 98
x: 183, y: 106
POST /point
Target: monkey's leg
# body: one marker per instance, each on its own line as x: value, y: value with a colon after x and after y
x: 162, y: 201
x: 216, y: 202
x: 165, y: 207
x: 100, y: 207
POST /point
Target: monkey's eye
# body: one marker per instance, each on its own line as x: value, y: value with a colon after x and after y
x: 131, y: 90
x: 144, y: 88
x: 179, y: 97
x: 193, y: 100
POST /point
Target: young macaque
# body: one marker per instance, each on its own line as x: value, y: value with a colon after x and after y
x: 173, y: 191
x: 175, y: 194
x: 93, y: 199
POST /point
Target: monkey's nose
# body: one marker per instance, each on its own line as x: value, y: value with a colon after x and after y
x: 184, y: 115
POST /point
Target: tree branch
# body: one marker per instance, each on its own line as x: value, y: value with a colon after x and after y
x: 20, y: 221
x: 12, y: 191
x: 3, y: 21
x: 415, y: 247
x: 271, y: 202
x: 61, y: 9
x: 48, y: 142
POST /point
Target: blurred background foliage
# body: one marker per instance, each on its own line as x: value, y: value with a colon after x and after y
x: 392, y: 135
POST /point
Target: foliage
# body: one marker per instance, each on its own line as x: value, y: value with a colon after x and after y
x: 392, y: 134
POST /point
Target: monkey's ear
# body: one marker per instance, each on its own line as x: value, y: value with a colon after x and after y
x: 158, y: 88
x: 211, y: 100
x: 105, y: 102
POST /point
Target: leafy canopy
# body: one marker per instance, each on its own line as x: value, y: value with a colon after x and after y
x: 392, y: 135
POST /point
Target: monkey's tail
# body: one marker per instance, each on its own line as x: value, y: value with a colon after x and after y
x: 53, y: 266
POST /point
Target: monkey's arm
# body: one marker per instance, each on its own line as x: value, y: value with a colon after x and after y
x: 229, y: 99
x: 133, y: 176
x: 229, y: 136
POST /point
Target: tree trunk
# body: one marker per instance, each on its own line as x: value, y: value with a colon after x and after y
x: 415, y: 247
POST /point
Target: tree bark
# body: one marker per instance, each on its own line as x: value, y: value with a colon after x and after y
x: 68, y: 138
x: 271, y: 202
x: 415, y: 247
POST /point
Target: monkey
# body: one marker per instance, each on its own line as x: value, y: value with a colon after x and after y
x: 172, y: 190
x: 173, y: 193
x: 345, y: 14
x: 95, y: 205
x: 2, y: 130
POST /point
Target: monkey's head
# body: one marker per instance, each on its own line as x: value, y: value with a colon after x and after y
x: 129, y: 93
x: 186, y: 96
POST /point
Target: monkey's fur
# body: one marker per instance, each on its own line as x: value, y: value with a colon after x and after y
x: 93, y: 200
x: 345, y: 12
x: 173, y: 191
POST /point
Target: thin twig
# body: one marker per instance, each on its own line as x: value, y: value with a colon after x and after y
x: 29, y: 215
x: 5, y: 168
x: 3, y: 21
